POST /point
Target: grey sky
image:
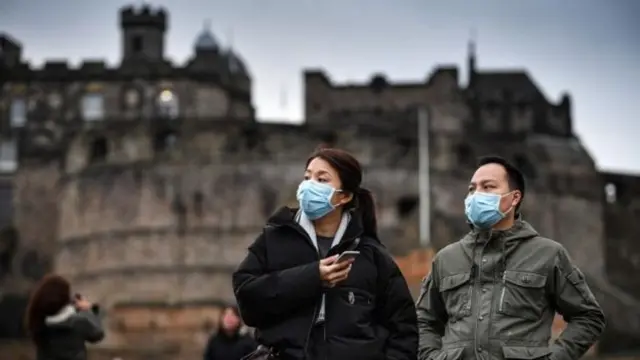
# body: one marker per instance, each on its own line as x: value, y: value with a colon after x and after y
x: 590, y: 48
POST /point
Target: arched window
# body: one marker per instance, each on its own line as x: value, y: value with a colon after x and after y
x: 98, y: 150
x: 406, y: 205
x: 167, y: 104
x: 165, y: 140
x: 527, y: 168
x: 610, y: 192
x: 92, y: 106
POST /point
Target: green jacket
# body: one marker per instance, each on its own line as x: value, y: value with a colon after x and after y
x: 493, y: 295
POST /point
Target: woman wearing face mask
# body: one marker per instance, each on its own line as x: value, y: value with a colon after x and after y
x: 303, y: 302
x: 228, y: 343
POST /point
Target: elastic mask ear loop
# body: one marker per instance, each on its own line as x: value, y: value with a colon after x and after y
x: 504, y: 214
x: 331, y: 196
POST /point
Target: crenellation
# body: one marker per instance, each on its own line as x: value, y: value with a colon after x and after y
x: 144, y: 17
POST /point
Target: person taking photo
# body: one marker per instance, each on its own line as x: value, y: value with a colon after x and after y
x: 60, y: 324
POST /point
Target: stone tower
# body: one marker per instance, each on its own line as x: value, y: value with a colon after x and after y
x: 143, y: 33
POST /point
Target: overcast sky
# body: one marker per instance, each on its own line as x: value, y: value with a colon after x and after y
x: 590, y: 48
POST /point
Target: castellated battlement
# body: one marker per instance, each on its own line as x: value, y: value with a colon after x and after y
x: 144, y: 16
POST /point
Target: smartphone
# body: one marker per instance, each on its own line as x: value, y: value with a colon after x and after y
x: 349, y: 254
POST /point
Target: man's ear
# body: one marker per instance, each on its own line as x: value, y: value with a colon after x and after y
x: 517, y: 198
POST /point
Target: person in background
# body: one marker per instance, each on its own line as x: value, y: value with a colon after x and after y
x: 60, y: 325
x: 302, y: 300
x: 494, y: 294
x: 228, y: 343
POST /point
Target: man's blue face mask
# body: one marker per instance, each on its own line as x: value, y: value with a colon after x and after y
x: 315, y: 198
x: 483, y: 209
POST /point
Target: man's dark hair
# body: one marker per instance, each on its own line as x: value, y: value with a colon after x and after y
x: 514, y: 175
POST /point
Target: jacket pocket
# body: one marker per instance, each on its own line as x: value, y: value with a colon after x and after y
x: 448, y: 354
x: 525, y: 352
x: 350, y: 313
x: 522, y: 294
x: 456, y: 292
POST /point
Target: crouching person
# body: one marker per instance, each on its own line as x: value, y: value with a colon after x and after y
x: 60, y: 325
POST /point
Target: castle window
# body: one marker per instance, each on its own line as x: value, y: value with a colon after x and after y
x: 98, y: 150
x: 522, y: 106
x: 465, y: 155
x: 406, y: 205
x: 18, y: 113
x: 252, y: 138
x: 198, y: 203
x: 137, y: 44
x: 168, y: 105
x: 92, y: 107
x: 492, y: 106
x: 404, y: 146
x: 165, y: 141
x: 527, y: 168
x: 8, y: 156
x: 55, y: 100
x: 328, y: 139
x: 132, y: 98
x: 610, y: 192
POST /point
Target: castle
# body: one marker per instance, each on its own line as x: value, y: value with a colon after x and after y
x: 144, y: 183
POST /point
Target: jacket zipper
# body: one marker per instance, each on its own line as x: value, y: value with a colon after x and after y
x: 316, y: 310
x: 473, y: 304
x: 504, y: 287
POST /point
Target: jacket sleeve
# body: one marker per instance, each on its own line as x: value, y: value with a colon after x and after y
x: 575, y: 302
x: 398, y: 313
x: 432, y: 316
x: 89, y: 325
x: 208, y: 350
x: 263, y: 297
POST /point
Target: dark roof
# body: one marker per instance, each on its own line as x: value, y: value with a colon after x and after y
x: 493, y: 84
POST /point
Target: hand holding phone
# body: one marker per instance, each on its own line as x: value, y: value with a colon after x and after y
x: 348, y: 255
x: 335, y: 269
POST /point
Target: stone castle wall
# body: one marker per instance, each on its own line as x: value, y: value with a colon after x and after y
x: 622, y: 211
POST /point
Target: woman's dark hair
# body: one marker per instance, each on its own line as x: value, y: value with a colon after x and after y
x: 51, y: 294
x: 350, y: 173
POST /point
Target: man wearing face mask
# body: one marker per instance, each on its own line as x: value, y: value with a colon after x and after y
x: 494, y: 294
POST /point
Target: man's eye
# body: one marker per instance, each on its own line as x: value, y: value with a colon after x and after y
x: 322, y: 180
x: 306, y: 177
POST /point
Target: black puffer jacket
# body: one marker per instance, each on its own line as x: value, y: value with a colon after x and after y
x: 371, y: 315
x: 66, y: 333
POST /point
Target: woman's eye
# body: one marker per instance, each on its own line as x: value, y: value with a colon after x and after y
x: 322, y: 180
x: 306, y: 177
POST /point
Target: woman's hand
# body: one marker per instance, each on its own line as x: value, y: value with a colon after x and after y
x: 332, y: 272
x: 82, y: 304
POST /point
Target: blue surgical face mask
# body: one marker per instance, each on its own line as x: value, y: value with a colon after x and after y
x: 483, y: 209
x: 315, y: 198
